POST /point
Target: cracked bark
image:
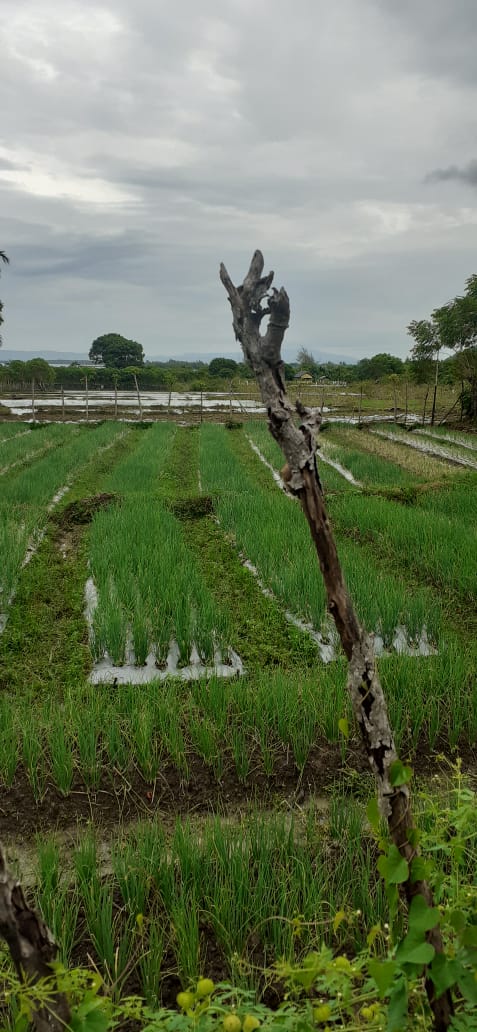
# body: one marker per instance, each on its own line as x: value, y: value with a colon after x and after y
x: 298, y: 444
x: 32, y: 949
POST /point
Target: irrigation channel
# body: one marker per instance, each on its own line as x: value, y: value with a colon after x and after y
x: 172, y: 695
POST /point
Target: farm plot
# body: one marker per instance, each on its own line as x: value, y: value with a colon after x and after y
x: 9, y: 430
x: 151, y: 606
x: 26, y: 448
x: 271, y: 533
x: 419, y: 466
x: 33, y: 488
x: 157, y: 903
x: 451, y: 454
x: 447, y: 436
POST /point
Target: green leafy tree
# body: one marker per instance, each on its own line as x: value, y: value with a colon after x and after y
x: 453, y: 326
x: 378, y: 366
x: 3, y: 258
x: 223, y: 368
x: 16, y: 371
x: 39, y: 370
x: 116, y: 352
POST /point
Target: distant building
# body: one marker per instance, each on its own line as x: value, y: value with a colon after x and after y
x: 304, y: 377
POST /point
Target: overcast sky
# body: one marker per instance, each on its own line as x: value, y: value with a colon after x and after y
x: 144, y: 141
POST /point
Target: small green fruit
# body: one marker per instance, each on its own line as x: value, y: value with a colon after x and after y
x: 185, y: 1000
x: 250, y: 1023
x: 322, y: 1013
x: 205, y: 987
x: 232, y: 1023
x: 342, y: 964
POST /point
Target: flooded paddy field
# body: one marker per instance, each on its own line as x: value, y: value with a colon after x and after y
x: 171, y: 687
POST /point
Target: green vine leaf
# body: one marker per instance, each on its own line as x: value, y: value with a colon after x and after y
x: 422, y: 917
x: 399, y: 774
x: 383, y: 972
x: 397, y: 1010
x: 393, y: 867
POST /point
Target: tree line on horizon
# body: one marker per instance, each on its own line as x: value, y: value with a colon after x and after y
x: 220, y: 373
x: 117, y: 359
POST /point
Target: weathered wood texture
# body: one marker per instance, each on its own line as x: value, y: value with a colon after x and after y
x: 298, y: 443
x: 32, y: 949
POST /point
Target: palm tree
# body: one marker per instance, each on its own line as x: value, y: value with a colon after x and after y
x: 3, y: 258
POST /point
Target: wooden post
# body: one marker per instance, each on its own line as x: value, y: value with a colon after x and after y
x: 63, y: 404
x: 433, y: 413
x: 115, y: 398
x: 201, y: 404
x: 87, y: 399
x: 138, y: 396
x: 360, y: 404
x: 425, y: 404
x: 169, y: 405
x: 405, y: 413
x: 33, y: 400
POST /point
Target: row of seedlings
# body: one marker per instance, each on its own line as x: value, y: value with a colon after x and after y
x: 150, y: 605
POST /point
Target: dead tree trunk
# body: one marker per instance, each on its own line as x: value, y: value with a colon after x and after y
x: 298, y: 443
x: 32, y: 949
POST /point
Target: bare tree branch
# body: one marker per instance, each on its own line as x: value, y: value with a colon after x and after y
x: 298, y: 444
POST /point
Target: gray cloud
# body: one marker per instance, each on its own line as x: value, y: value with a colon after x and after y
x: 142, y: 144
x: 468, y: 174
